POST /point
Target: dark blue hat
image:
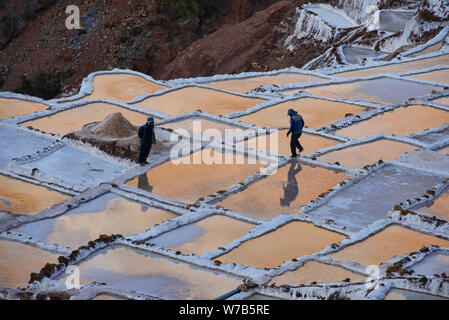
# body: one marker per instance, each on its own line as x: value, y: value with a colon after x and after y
x: 291, y: 112
x: 150, y: 119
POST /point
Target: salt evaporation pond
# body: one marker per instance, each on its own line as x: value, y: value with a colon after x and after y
x: 189, y: 182
x: 436, y: 263
x: 358, y: 205
x: 435, y: 76
x: 369, y: 153
x: 190, y: 99
x: 383, y: 90
x: 313, y: 271
x: 72, y: 120
x: 245, y: 85
x: 18, y: 143
x: 316, y: 113
x: 75, y: 167
x: 121, y: 87
x: 18, y: 261
x: 15, y: 107
x: 281, y: 145
x: 286, y: 191
x: 441, y: 60
x: 108, y: 214
x: 153, y: 274
x: 386, y: 244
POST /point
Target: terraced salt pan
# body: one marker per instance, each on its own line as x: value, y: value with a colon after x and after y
x: 401, y: 121
x: 198, y: 123
x: 444, y: 151
x: 74, y: 167
x: 316, y: 113
x: 189, y: 182
x: 314, y: 271
x: 441, y: 60
x: 191, y: 99
x: 286, y: 191
x: 18, y: 261
x: 309, y: 142
x: 394, y: 20
x: 73, y: 120
x: 399, y: 294
x: 249, y: 84
x: 121, y: 87
x: 383, y: 90
x: 293, y: 240
x: 436, y: 263
x: 18, y: 143
x: 107, y: 297
x: 426, y: 160
x: 358, y: 55
x: 433, y: 136
x: 10, y: 108
x: 441, y: 75
x: 206, y: 235
x: 21, y: 197
x: 368, y: 153
x: 430, y: 49
x: 383, y: 246
x: 261, y: 297
x: 438, y: 208
x: 335, y: 18
x: 155, y: 275
x: 371, y: 198
x: 108, y: 214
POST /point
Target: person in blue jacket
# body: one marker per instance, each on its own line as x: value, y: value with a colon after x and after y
x: 147, y: 138
x: 296, y: 126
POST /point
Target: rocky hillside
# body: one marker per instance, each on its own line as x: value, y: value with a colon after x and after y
x: 40, y: 56
x: 172, y: 39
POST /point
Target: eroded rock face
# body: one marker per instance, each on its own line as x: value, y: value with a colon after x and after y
x: 116, y: 136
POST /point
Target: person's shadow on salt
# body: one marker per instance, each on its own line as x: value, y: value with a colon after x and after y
x: 291, y: 188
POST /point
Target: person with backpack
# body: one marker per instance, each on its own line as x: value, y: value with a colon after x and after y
x: 296, y: 126
x: 147, y: 138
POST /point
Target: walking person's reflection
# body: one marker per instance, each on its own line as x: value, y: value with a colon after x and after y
x: 143, y: 184
x: 291, y: 188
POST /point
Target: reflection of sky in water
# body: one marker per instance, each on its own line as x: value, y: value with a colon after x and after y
x: 316, y: 113
x: 248, y: 84
x: 402, y: 121
x: 436, y: 263
x: 74, y: 119
x: 203, y: 236
x: 292, y: 240
x: 19, y: 197
x: 279, y: 193
x: 153, y: 274
x: 368, y: 153
x: 189, y: 182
